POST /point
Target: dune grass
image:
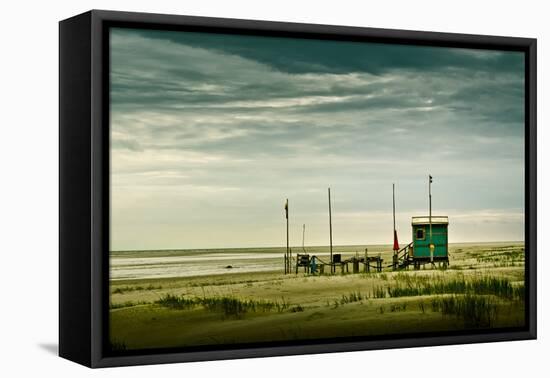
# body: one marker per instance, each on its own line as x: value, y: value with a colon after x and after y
x: 229, y: 306
x: 176, y: 302
x: 114, y: 306
x: 476, y: 310
x: 126, y: 289
x: 351, y: 297
x: 379, y: 292
x: 484, y: 285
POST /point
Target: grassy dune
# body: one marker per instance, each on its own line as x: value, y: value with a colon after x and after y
x: 482, y: 288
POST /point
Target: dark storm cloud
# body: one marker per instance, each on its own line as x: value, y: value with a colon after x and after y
x: 295, y: 56
x: 301, y: 56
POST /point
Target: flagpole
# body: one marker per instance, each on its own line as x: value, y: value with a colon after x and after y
x: 430, y: 193
x: 393, y: 189
x: 394, y: 230
x: 330, y: 230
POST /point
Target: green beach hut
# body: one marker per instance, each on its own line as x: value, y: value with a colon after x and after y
x: 430, y: 240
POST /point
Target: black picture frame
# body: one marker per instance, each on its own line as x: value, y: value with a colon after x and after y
x: 84, y: 184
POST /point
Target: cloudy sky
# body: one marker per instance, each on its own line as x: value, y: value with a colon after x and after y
x: 210, y: 133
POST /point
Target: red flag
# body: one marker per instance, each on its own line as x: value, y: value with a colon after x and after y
x: 395, y: 242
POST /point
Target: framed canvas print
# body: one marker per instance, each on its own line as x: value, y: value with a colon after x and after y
x: 233, y: 188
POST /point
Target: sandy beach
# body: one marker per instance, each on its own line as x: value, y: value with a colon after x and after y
x: 253, y: 301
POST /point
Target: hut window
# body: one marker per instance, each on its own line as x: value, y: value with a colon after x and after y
x: 420, y: 234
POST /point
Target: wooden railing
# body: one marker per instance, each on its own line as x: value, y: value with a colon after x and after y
x: 402, y: 256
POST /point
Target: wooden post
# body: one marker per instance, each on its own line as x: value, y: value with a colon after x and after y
x: 290, y: 260
x: 286, y: 264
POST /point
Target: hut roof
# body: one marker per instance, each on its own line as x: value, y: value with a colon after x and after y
x: 425, y: 220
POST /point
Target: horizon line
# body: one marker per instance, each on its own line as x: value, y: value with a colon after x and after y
x: 306, y: 246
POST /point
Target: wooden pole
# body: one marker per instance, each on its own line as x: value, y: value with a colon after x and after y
x: 303, y: 237
x: 430, y: 194
x: 330, y: 231
x: 394, y: 229
x: 393, y: 193
x: 287, y: 266
x: 290, y: 260
x: 289, y: 249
